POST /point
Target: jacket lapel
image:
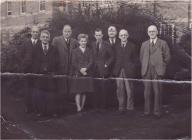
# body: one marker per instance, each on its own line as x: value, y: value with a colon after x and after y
x: 41, y: 49
x: 101, y: 47
x: 64, y: 43
x: 156, y: 46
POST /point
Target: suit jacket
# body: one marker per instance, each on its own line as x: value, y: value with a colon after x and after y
x: 159, y: 58
x: 45, y: 63
x: 81, y: 60
x: 27, y: 55
x: 64, y: 53
x: 126, y: 58
x: 113, y: 47
x: 103, y: 57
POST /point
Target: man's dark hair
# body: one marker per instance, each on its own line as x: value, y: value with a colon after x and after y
x: 98, y: 30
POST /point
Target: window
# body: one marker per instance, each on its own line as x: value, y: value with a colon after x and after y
x: 42, y: 5
x: 62, y: 3
x: 9, y: 8
x: 23, y: 6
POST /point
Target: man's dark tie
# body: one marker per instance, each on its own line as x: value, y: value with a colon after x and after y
x: 68, y: 42
x: 152, y: 43
x: 33, y: 42
x: 45, y: 50
x: 97, y: 47
x: 113, y: 41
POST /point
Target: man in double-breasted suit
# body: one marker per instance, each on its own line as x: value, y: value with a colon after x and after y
x: 27, y: 59
x: 64, y: 44
x: 125, y: 65
x: 154, y: 57
x: 45, y: 62
x: 103, y: 58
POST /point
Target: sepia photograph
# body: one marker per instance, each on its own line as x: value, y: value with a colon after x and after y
x: 96, y: 69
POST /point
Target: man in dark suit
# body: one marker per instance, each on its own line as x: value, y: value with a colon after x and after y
x: 113, y: 41
x: 103, y: 58
x: 154, y: 57
x: 45, y: 62
x: 27, y: 57
x: 126, y: 59
x: 64, y: 44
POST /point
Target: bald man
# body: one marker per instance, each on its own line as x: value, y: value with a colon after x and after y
x: 125, y: 64
x: 154, y: 57
x: 113, y: 41
x: 112, y: 34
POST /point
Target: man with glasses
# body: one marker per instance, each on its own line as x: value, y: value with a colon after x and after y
x: 154, y: 57
x: 125, y: 63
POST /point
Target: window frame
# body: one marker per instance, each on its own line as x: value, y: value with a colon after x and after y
x: 21, y: 6
x: 40, y: 3
x: 9, y: 8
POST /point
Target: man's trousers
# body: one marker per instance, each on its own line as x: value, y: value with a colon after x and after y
x: 156, y: 87
x: 124, y: 92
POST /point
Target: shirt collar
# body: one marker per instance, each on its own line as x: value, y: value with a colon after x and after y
x: 67, y: 39
x: 154, y: 40
x: 47, y: 45
x: 32, y: 39
x: 123, y: 44
x: 112, y: 40
x: 82, y: 49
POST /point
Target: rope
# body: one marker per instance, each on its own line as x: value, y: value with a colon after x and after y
x: 32, y: 75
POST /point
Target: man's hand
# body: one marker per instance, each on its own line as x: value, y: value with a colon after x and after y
x: 106, y: 66
x: 83, y: 71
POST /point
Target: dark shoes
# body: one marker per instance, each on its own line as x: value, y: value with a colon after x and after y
x: 125, y: 112
x: 157, y: 116
x: 148, y: 115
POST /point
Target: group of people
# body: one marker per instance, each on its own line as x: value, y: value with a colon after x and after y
x: 87, y: 65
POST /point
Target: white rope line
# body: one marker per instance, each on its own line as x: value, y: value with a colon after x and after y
x: 113, y: 78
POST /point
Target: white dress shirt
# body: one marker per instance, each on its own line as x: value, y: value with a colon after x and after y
x: 153, y: 40
x: 82, y: 49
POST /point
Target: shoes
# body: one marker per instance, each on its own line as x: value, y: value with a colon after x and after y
x: 28, y: 110
x: 146, y: 115
x: 55, y: 115
x: 157, y: 116
x: 129, y: 112
x: 121, y: 112
x: 39, y: 115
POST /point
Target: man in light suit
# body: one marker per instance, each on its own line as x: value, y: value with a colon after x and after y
x: 154, y: 57
x: 64, y: 44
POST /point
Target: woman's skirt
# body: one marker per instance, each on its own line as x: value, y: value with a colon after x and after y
x: 81, y: 85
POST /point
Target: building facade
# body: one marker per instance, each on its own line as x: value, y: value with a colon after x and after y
x: 15, y: 15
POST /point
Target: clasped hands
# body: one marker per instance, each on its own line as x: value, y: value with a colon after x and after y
x: 83, y: 71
